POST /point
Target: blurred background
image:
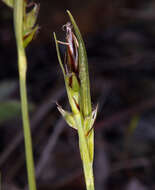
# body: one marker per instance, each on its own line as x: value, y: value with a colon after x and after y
x: 120, y: 41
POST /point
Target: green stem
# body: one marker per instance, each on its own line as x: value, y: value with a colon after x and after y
x: 26, y: 123
x: 22, y: 67
x: 85, y: 156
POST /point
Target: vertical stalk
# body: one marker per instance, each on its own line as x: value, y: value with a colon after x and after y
x: 22, y: 67
x: 85, y: 155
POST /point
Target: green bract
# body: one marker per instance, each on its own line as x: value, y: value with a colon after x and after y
x: 29, y: 20
x: 29, y: 28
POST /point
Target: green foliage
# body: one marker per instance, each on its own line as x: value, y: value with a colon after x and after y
x: 11, y: 109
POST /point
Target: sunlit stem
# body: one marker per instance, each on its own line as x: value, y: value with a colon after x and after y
x: 85, y: 156
x: 22, y: 67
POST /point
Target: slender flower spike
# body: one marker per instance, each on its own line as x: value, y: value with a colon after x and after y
x: 76, y: 76
x: 75, y: 71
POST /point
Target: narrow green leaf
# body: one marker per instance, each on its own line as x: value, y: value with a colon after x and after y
x: 83, y: 70
x: 85, y: 87
x: 58, y: 54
